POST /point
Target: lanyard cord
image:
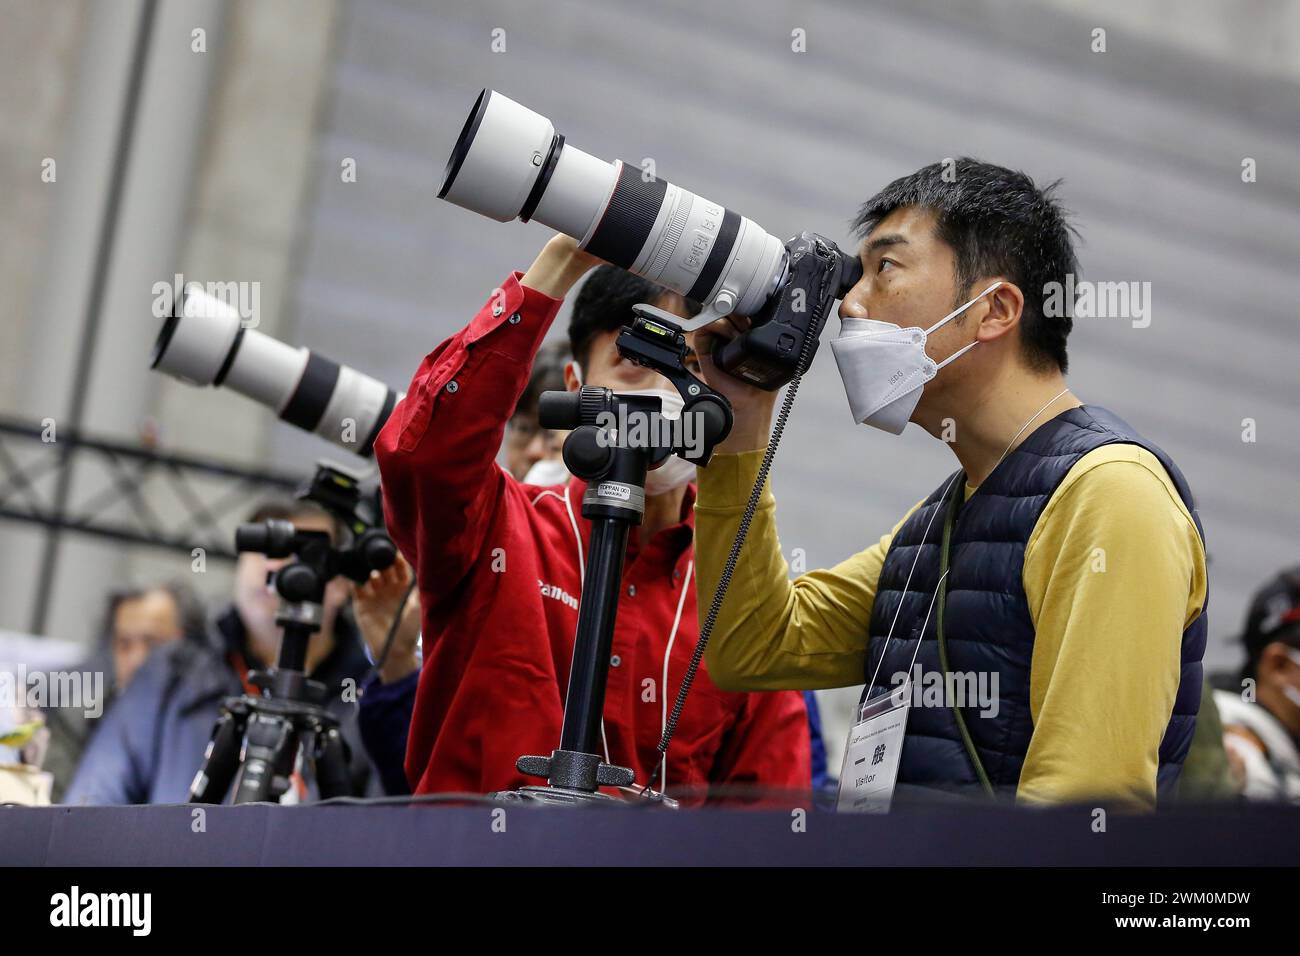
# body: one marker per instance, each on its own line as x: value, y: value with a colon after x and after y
x: 663, y: 686
x: 942, y: 496
x: 1007, y: 450
x: 942, y: 593
x: 899, y: 610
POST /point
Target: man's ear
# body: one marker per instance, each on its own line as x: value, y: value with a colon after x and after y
x: 572, y: 376
x: 1005, y: 305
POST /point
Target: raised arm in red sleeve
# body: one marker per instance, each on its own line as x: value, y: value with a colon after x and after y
x: 437, y: 453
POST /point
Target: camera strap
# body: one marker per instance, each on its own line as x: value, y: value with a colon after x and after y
x: 955, y: 502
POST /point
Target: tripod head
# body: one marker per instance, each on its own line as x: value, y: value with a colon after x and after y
x: 614, y: 439
x: 364, y: 547
x: 317, y: 559
x: 602, y: 420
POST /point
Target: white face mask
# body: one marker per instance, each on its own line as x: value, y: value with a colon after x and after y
x: 884, y: 367
x: 548, y: 471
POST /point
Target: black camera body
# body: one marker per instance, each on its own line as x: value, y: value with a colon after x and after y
x: 365, y: 547
x: 783, y: 336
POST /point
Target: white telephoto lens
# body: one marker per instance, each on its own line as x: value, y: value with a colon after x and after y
x: 356, y: 410
x: 205, y: 344
x: 577, y: 191
x: 510, y: 163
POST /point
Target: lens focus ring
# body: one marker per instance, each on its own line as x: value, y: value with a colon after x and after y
x: 633, y: 208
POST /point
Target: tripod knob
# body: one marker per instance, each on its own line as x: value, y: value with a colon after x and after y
x: 716, y: 417
x: 608, y: 775
x: 586, y: 454
x: 534, y: 766
x: 377, y: 550
x: 297, y: 582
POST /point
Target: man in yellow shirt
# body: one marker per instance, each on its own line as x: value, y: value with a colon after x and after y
x: 1062, y: 568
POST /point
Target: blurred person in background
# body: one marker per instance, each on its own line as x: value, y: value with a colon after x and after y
x: 500, y: 564
x: 532, y: 452
x: 388, y: 696
x: 1261, y: 716
x: 136, y: 621
x: 152, y: 742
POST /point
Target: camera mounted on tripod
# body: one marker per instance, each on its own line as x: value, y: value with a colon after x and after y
x: 602, y: 422
x: 365, y: 547
x: 258, y: 739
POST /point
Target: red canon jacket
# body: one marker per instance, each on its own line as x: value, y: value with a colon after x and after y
x: 499, y: 566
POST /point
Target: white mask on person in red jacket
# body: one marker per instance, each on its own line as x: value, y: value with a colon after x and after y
x: 675, y: 471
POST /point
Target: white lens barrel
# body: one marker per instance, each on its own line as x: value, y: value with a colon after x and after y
x: 687, y: 235
x: 509, y: 163
x: 576, y: 193
x: 266, y: 370
x: 502, y: 150
x: 196, y: 340
x: 352, y: 418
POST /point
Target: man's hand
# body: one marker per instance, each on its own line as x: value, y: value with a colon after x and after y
x: 558, y: 267
x: 752, y: 406
x: 374, y: 604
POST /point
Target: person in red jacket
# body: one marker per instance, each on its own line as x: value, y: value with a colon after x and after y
x: 500, y: 564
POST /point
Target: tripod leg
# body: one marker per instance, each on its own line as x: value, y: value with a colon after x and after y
x: 332, y: 777
x: 270, y: 748
x: 220, y: 760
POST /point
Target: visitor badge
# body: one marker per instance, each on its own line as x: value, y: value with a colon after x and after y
x: 871, y: 758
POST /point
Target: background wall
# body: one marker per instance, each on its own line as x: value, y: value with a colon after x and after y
x: 1149, y: 137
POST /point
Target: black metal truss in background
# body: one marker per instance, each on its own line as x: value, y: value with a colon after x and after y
x: 134, y: 476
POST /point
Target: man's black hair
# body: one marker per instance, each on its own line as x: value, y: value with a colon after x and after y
x: 999, y: 224
x: 604, y: 303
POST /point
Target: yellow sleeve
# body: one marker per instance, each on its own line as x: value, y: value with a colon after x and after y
x: 773, y: 633
x: 1114, y: 572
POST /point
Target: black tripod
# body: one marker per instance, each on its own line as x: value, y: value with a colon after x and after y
x: 615, y: 469
x: 257, y: 739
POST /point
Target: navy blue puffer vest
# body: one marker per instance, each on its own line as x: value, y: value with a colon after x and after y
x: 987, y: 624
